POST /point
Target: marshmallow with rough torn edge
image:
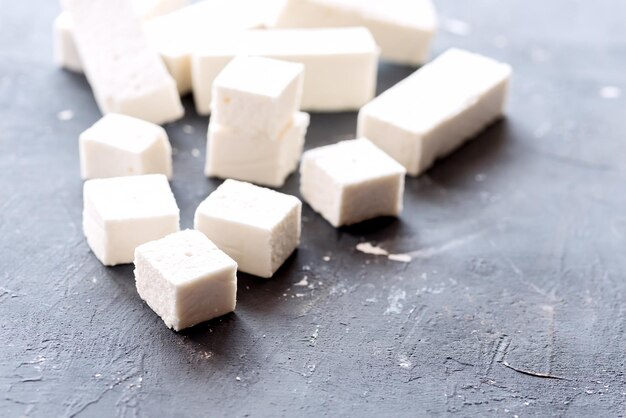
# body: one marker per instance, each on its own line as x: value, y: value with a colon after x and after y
x: 122, y: 213
x: 257, y: 94
x: 185, y: 279
x: 404, y: 29
x: 351, y: 181
x: 119, y: 145
x: 126, y: 75
x: 341, y: 64
x: 258, y: 227
x: 436, y: 109
x: 255, y: 157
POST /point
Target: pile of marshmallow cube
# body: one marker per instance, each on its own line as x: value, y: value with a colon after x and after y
x: 254, y: 64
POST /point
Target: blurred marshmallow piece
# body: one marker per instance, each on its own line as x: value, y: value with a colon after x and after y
x: 257, y: 94
x: 253, y: 156
x: 351, y: 181
x: 65, y: 52
x: 122, y: 213
x: 404, y: 29
x: 341, y: 65
x: 119, y: 145
x: 186, y: 279
x: 435, y: 110
x: 174, y: 36
x: 259, y: 228
x: 126, y: 76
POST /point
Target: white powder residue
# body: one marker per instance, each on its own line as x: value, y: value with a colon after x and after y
x: 368, y: 248
x: 456, y: 27
x: 402, y: 258
x: 188, y: 129
x: 395, y: 299
x: 304, y: 282
x: 65, y: 115
x: 404, y: 362
x: 610, y: 92
x: 195, y: 152
x: 313, y: 339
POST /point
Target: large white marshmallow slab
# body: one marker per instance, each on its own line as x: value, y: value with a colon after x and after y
x: 119, y: 145
x: 177, y: 34
x: 404, y: 29
x: 257, y: 94
x: 259, y: 228
x: 122, y: 213
x: 65, y: 52
x: 341, y: 65
x: 351, y: 181
x: 126, y: 76
x: 435, y: 110
x: 186, y: 279
x: 255, y: 157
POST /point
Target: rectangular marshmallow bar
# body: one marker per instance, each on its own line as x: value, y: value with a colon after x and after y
x: 341, y: 65
x: 126, y: 76
x: 253, y: 156
x: 404, y: 29
x: 186, y: 279
x: 259, y: 228
x: 119, y: 145
x: 436, y: 109
x: 65, y: 52
x: 351, y: 181
x: 177, y: 34
x: 122, y: 213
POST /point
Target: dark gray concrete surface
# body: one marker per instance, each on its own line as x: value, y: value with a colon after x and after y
x: 512, y: 306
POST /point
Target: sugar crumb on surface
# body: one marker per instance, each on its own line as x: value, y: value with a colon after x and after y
x: 65, y: 115
x: 610, y: 92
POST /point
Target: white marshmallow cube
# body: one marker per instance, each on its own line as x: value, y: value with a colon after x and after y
x: 253, y: 156
x: 436, y: 109
x: 185, y: 279
x: 119, y: 145
x: 404, y: 29
x: 126, y: 75
x: 122, y: 213
x: 259, y: 228
x: 351, y: 181
x: 257, y: 94
x: 341, y: 65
